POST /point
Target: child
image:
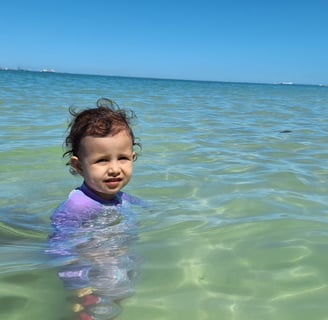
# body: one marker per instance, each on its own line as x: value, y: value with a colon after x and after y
x: 93, y: 227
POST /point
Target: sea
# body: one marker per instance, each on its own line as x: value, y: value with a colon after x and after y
x: 235, y: 177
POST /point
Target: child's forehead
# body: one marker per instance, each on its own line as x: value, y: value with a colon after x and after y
x: 117, y: 134
x: 120, y: 139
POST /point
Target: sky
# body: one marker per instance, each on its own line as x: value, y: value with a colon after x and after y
x: 263, y: 41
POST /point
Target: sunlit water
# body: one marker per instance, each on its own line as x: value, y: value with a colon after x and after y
x: 237, y: 179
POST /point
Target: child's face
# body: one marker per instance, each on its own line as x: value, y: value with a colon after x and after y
x: 105, y: 163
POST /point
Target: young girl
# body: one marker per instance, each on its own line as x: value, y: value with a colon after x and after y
x: 93, y: 227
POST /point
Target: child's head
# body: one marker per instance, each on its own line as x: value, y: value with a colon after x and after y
x: 100, y: 145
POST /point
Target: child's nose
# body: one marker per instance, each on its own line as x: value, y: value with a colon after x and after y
x: 114, y: 168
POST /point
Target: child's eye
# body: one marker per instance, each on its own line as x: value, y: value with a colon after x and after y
x: 101, y: 160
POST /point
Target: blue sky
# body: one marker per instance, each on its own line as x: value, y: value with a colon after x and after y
x: 222, y: 40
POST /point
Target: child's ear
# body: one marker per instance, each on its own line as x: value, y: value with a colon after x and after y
x: 76, y: 164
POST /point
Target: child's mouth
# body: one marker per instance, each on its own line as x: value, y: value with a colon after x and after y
x: 112, y: 183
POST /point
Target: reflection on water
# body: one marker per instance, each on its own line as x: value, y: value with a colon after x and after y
x: 93, y: 263
x: 26, y: 273
x: 101, y: 269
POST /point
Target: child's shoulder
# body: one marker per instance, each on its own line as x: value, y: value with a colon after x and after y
x: 77, y: 205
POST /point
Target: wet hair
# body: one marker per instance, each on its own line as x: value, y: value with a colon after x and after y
x: 106, y: 119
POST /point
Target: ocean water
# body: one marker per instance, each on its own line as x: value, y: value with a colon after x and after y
x: 237, y: 180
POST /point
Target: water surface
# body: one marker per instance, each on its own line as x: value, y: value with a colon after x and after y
x: 236, y: 175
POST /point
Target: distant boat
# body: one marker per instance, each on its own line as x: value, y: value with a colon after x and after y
x: 287, y: 82
x: 48, y: 70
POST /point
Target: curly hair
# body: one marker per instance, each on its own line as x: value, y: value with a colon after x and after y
x: 106, y: 119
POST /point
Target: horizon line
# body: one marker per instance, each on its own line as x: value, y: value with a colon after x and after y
x: 51, y: 70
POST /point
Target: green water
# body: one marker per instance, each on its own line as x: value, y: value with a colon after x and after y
x: 238, y: 224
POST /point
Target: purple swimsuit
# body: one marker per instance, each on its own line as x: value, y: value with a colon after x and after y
x: 92, y: 235
x: 83, y: 204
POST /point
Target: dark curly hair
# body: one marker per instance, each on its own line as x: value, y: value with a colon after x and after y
x: 106, y: 119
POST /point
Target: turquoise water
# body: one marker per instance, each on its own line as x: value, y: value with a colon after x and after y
x: 237, y: 176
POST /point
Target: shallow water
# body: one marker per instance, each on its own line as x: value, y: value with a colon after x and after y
x: 236, y: 175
